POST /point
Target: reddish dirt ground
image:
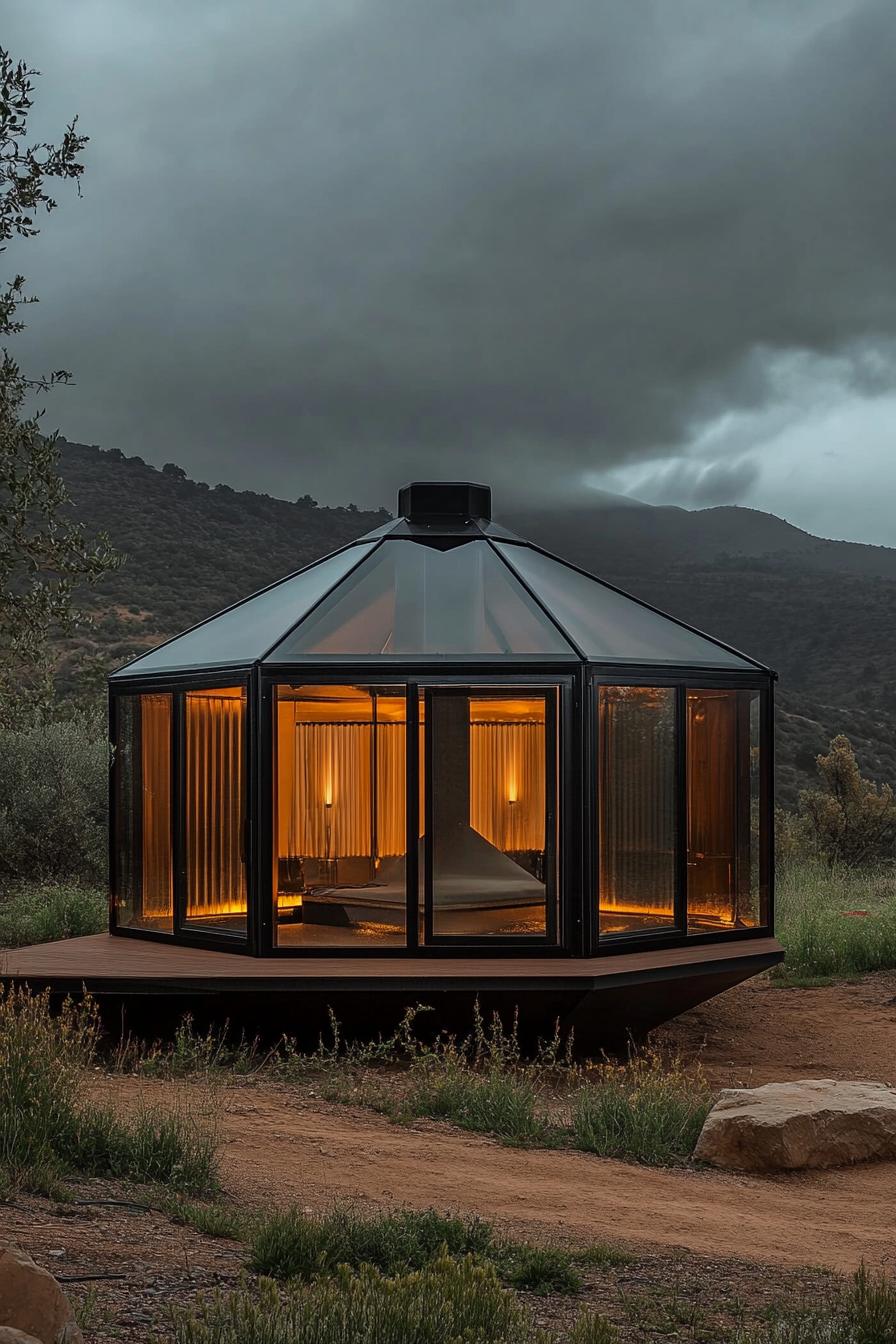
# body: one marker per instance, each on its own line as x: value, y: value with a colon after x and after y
x: 284, y: 1145
x: 700, y: 1238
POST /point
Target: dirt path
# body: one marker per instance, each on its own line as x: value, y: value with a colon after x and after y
x: 281, y: 1146
x: 277, y: 1149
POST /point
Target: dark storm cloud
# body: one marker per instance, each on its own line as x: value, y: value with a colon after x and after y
x: 328, y: 246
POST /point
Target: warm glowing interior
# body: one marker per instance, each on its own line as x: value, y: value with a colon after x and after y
x: 638, y: 825
x: 215, y: 808
x: 144, y: 876
x: 723, y: 809
x: 636, y: 807
x: 341, y: 818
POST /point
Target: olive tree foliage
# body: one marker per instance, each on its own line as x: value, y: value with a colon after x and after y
x: 44, y: 554
x: 849, y: 819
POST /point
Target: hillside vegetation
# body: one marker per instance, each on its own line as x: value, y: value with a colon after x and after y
x: 822, y: 613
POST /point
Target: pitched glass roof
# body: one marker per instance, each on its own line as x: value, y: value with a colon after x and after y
x: 411, y: 600
x: 243, y: 633
x: 608, y: 625
x: 441, y: 581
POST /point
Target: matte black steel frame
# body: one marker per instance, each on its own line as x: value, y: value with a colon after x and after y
x: 678, y: 935
x: 177, y: 686
x: 578, y: 840
x: 488, y: 676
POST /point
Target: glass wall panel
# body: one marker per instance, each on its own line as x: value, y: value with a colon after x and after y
x: 493, y: 777
x: 143, y: 866
x: 340, y: 817
x: 637, y: 815
x: 215, y: 809
x: 725, y: 882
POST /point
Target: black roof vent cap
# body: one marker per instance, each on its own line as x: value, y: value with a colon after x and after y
x: 426, y: 501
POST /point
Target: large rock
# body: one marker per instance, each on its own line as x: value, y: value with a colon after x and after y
x: 10, y: 1336
x: 816, y: 1122
x: 32, y: 1302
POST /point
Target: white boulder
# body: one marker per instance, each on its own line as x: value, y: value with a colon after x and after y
x: 816, y: 1122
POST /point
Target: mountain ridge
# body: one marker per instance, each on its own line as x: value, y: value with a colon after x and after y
x: 822, y: 613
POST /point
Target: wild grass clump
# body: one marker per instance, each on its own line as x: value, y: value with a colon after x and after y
x: 648, y: 1110
x: 193, y: 1052
x: 541, y: 1270
x: 44, y: 912
x: 48, y: 1129
x: 835, y: 922
x: 294, y: 1245
x: 505, y: 1105
x: 444, y: 1303
x: 864, y: 1312
x: 152, y: 1146
x: 212, y: 1220
x: 41, y: 1062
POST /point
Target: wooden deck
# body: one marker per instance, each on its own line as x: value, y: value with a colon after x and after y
x: 102, y: 963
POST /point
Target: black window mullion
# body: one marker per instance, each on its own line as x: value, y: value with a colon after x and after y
x: 427, y: 818
x: 178, y: 807
x: 681, y: 753
x: 412, y: 814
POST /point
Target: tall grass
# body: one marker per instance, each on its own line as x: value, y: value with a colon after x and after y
x: 295, y: 1245
x: 47, y: 1127
x: 863, y: 1312
x: 505, y: 1104
x: 47, y: 911
x: 648, y: 1110
x: 448, y: 1302
x: 835, y: 923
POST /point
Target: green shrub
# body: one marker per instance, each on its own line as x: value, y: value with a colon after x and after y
x: 46, y: 1127
x: 498, y: 1102
x: 445, y: 1303
x: 53, y: 787
x: 536, y: 1269
x: 46, y: 912
x: 294, y: 1245
x: 648, y: 1110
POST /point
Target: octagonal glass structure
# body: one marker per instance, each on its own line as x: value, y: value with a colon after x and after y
x: 441, y: 737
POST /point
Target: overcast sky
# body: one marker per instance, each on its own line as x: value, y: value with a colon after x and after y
x: 646, y: 246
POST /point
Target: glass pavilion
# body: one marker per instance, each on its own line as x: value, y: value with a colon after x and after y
x: 441, y: 737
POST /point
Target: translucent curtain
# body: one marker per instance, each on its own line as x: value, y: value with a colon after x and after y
x: 507, y: 784
x: 155, y: 727
x: 143, y: 854
x: 637, y: 791
x: 341, y: 786
x: 216, y: 874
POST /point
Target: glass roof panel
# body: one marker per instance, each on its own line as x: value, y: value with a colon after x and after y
x: 410, y: 599
x: 244, y: 632
x: 609, y: 626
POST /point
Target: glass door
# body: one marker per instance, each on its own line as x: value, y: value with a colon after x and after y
x: 490, y: 814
